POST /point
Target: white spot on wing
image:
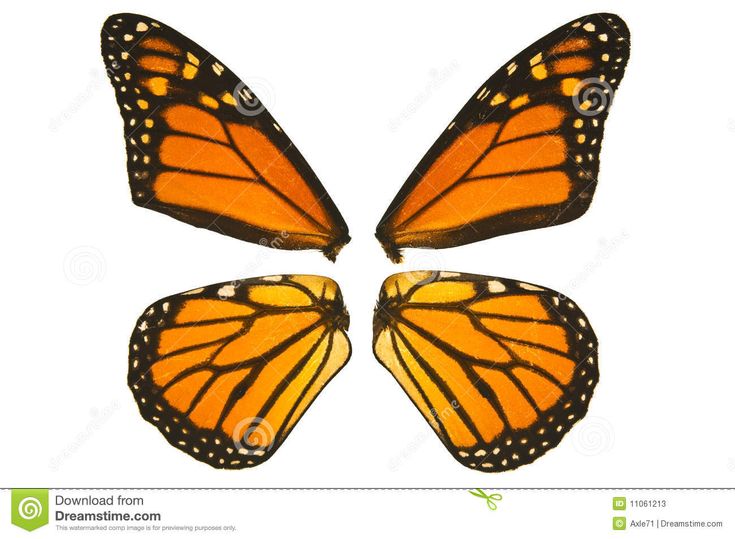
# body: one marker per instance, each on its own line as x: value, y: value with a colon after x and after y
x: 193, y: 292
x: 531, y: 287
x: 495, y: 286
x: 226, y: 291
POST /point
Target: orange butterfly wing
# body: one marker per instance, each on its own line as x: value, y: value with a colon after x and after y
x: 227, y: 370
x: 523, y: 152
x: 204, y: 150
x: 500, y: 369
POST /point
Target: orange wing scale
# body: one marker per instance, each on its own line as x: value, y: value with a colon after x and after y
x: 500, y: 369
x: 226, y: 371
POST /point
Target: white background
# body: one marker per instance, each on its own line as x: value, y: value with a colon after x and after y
x: 363, y: 91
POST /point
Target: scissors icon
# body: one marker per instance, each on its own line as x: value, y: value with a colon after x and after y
x: 490, y: 499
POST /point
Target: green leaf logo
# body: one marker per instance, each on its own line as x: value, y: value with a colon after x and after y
x: 29, y: 507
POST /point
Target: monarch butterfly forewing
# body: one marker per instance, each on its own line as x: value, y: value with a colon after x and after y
x: 500, y: 369
x: 227, y: 370
x: 523, y: 152
x: 203, y: 149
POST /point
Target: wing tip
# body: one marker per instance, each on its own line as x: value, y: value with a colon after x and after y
x: 113, y: 21
x: 615, y: 22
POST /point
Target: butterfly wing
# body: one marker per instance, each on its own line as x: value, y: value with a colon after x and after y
x: 523, y: 152
x: 227, y: 370
x: 203, y: 149
x: 500, y: 369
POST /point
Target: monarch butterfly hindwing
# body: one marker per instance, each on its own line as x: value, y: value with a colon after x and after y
x: 500, y: 369
x: 227, y: 370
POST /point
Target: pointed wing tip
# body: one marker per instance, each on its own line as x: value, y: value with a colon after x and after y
x: 117, y: 18
x: 113, y: 23
x: 616, y: 22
